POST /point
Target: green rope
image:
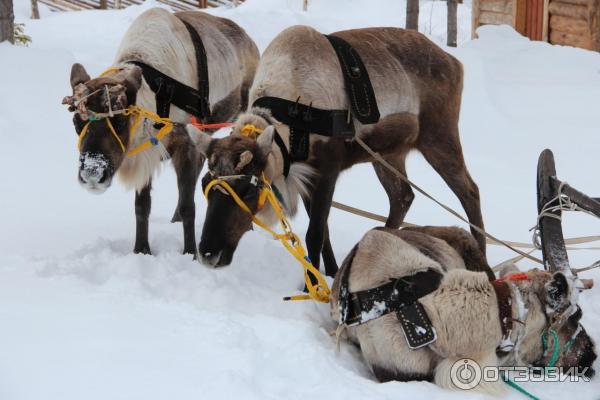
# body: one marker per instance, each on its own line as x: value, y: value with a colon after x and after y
x: 556, y: 351
x: 518, y: 388
x: 551, y: 363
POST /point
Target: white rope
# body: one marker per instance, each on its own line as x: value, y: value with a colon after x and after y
x: 107, y: 93
x: 564, y: 204
x: 78, y: 101
x: 398, y: 174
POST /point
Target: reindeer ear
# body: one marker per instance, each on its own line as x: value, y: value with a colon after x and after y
x: 133, y: 78
x: 78, y: 75
x: 201, y: 139
x: 245, y: 159
x: 558, y: 291
x: 265, y: 140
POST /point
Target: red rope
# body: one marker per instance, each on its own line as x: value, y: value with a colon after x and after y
x: 519, y: 276
x: 199, y: 125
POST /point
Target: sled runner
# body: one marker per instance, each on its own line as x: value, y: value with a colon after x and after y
x: 553, y: 197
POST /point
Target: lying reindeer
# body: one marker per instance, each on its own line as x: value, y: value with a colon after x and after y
x: 472, y: 316
x: 166, y: 64
x: 418, y: 91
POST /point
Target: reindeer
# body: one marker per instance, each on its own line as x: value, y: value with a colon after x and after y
x: 418, y: 91
x: 159, y: 66
x: 463, y: 307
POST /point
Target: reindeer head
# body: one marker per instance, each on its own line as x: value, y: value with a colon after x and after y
x: 552, y: 322
x: 241, y: 162
x: 101, y: 153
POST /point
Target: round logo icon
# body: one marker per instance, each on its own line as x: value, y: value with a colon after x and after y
x: 465, y: 374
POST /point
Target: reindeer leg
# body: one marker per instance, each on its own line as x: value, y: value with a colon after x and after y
x: 329, y: 260
x: 142, y: 212
x: 187, y: 167
x: 177, y: 217
x: 450, y: 164
x: 320, y: 205
x: 400, y: 194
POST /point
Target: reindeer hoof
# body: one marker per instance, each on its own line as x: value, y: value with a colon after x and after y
x: 176, y: 217
x: 191, y: 251
x: 144, y: 249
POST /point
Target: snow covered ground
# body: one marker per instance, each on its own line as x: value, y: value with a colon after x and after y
x: 81, y: 317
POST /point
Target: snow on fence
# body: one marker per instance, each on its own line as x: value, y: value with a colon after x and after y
x: 177, y: 5
x: 565, y: 22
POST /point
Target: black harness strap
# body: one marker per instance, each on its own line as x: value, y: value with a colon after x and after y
x: 393, y: 296
x: 400, y: 296
x: 170, y: 91
x: 333, y: 123
x: 284, y: 152
x: 179, y: 94
x: 202, y: 68
x: 303, y: 119
x: 356, y: 78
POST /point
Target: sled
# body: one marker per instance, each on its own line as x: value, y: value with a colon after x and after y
x: 553, y: 197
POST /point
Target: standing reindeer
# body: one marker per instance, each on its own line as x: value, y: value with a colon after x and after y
x: 521, y: 319
x: 166, y: 63
x: 417, y: 88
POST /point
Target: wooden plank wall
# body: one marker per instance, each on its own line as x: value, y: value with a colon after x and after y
x: 594, y: 23
x: 565, y: 22
x: 494, y: 12
x: 571, y: 23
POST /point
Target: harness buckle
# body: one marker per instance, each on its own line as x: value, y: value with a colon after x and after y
x: 340, y: 124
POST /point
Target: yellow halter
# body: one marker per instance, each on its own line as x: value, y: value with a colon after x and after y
x: 139, y: 114
x: 318, y: 292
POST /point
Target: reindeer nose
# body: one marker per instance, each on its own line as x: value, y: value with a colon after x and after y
x: 93, y: 175
x: 94, y: 171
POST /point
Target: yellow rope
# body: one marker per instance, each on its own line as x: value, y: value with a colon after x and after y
x: 109, y: 70
x: 114, y: 133
x: 250, y: 131
x: 320, y: 291
x: 139, y: 114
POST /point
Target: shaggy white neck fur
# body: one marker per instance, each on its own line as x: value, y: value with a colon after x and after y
x: 300, y: 176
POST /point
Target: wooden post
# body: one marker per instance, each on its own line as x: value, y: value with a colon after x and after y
x: 203, y: 3
x: 412, y: 14
x: 35, y: 11
x: 545, y: 20
x: 304, y: 5
x: 7, y: 21
x: 452, y: 23
x: 594, y: 23
x: 519, y: 9
x: 103, y: 4
x: 474, y: 18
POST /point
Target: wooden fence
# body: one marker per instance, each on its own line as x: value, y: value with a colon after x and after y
x: 176, y: 5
